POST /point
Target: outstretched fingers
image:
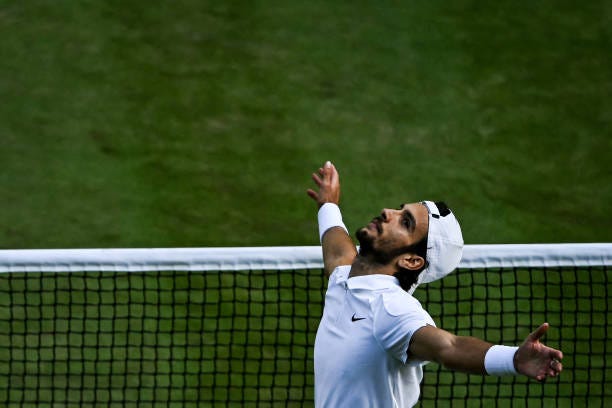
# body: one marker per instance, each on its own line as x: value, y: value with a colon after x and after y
x: 537, y: 360
x: 334, y: 177
x: 328, y: 182
x: 324, y: 174
x: 538, y: 333
x: 312, y: 194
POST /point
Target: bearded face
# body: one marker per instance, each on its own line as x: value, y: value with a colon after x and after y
x: 393, y: 233
x: 381, y: 250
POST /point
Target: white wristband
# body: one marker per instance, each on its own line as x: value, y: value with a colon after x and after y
x: 329, y: 217
x: 499, y: 360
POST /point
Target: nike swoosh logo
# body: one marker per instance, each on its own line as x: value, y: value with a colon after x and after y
x: 354, y: 319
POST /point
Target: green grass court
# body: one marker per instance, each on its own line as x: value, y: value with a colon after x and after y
x: 189, y: 123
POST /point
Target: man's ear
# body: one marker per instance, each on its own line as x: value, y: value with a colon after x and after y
x: 410, y: 261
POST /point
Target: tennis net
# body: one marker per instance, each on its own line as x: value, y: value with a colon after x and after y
x: 236, y: 326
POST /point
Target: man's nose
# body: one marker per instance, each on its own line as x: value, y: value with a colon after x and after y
x: 386, y: 214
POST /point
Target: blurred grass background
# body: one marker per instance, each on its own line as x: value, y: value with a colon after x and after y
x: 189, y: 123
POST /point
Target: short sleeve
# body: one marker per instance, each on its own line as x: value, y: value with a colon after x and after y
x: 339, y: 275
x: 397, y: 317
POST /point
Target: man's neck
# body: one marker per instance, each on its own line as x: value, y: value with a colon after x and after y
x: 363, y: 265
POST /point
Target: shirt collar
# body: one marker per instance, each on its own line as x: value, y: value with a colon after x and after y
x: 372, y: 282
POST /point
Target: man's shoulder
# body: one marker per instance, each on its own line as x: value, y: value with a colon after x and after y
x: 397, y: 316
x: 398, y: 302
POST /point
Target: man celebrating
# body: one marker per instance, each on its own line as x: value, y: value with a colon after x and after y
x: 374, y: 336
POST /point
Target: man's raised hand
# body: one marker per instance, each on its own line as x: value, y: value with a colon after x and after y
x: 328, y: 181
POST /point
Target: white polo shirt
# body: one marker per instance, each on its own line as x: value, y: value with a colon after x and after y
x: 361, y: 349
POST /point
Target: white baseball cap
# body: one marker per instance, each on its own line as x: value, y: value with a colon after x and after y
x: 444, y: 243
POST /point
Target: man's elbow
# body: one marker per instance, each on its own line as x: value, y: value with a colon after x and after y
x: 447, y: 358
x: 448, y: 354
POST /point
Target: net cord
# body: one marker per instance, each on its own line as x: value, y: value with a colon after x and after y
x: 280, y: 258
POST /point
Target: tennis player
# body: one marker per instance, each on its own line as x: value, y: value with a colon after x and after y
x: 375, y: 337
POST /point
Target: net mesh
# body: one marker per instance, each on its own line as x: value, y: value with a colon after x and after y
x: 190, y: 338
x: 149, y: 339
x: 503, y: 306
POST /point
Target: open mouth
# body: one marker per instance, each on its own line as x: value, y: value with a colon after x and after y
x: 376, y: 222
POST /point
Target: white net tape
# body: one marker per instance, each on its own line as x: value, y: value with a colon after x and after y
x: 280, y: 258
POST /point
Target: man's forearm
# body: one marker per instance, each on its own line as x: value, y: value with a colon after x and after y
x: 466, y: 355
